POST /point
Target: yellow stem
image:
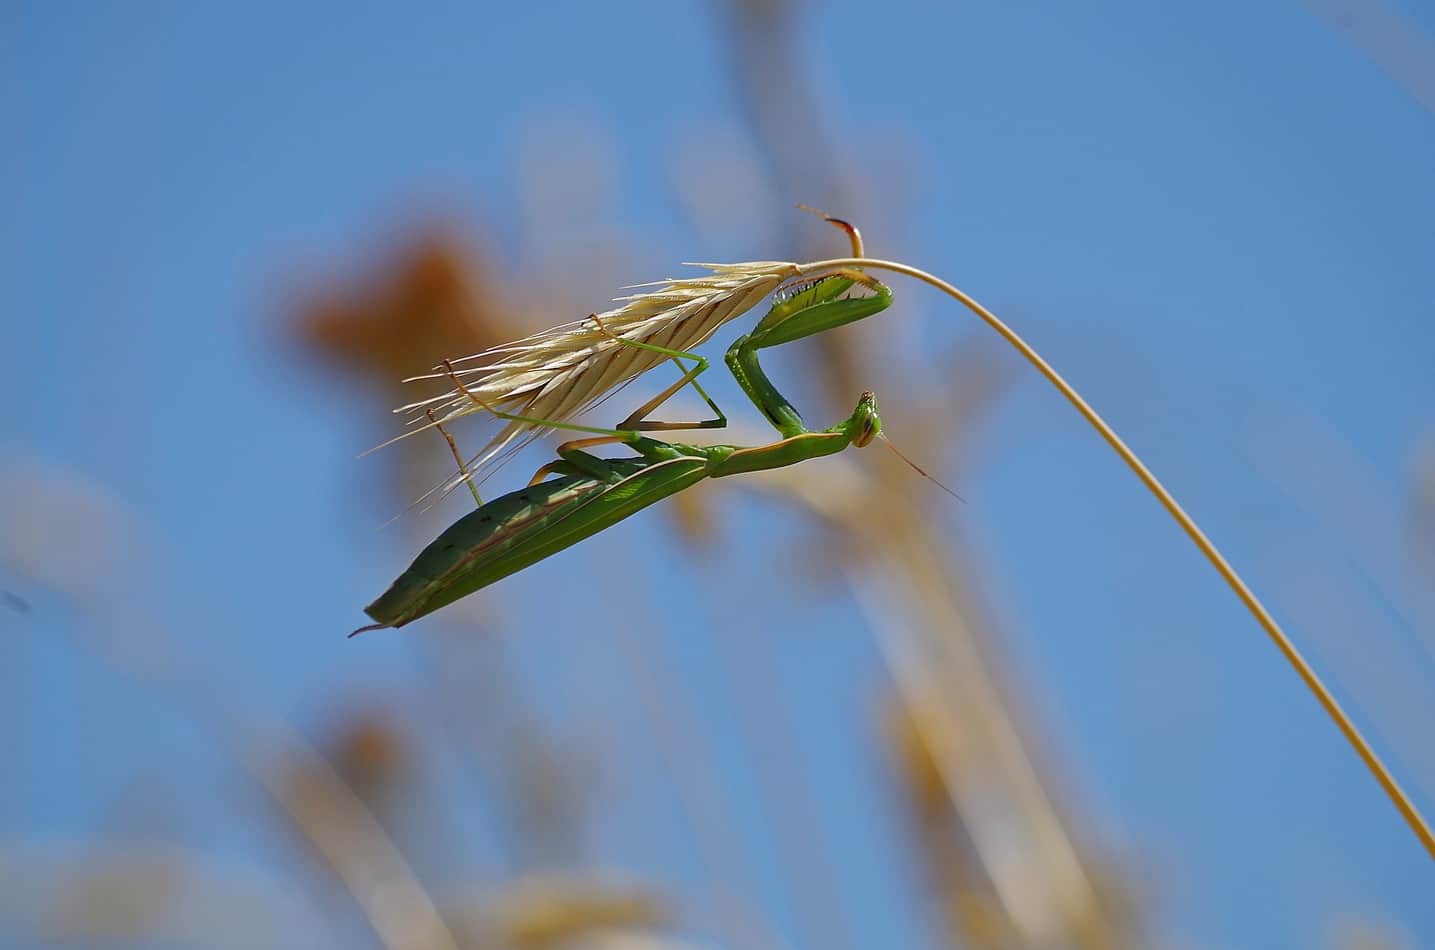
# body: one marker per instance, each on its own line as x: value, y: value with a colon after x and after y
x: 1283, y: 642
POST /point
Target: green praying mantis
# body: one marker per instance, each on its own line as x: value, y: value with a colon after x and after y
x: 591, y: 493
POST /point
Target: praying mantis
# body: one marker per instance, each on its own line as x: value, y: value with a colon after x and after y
x: 591, y: 493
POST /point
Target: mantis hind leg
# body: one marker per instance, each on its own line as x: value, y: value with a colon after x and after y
x: 638, y: 420
x: 457, y: 457
x: 618, y: 435
x: 572, y: 460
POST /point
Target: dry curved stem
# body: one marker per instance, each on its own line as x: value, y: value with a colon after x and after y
x: 1283, y: 642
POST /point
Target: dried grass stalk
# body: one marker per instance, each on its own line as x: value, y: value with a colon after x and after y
x: 1293, y: 656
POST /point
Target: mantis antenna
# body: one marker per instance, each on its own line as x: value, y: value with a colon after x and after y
x: 917, y: 468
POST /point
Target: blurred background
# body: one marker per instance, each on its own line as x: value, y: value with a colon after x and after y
x: 829, y: 708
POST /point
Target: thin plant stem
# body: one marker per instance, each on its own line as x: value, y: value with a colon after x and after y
x: 1283, y: 642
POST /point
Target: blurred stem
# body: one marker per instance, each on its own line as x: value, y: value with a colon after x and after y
x: 688, y: 757
x: 1009, y: 855
x: 1283, y: 642
x: 802, y: 852
x: 321, y: 805
x: 353, y: 843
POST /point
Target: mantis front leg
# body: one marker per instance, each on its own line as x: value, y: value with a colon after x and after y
x: 804, y: 311
x: 813, y: 309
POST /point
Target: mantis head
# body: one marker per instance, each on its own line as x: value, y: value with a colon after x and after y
x: 865, y: 425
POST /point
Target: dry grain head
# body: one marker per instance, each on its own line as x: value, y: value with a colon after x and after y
x: 556, y: 374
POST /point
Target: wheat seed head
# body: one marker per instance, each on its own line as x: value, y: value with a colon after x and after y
x: 557, y: 373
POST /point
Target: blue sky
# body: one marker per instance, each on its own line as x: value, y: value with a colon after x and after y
x: 1218, y: 220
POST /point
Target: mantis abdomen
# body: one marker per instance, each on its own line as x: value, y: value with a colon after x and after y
x: 523, y: 527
